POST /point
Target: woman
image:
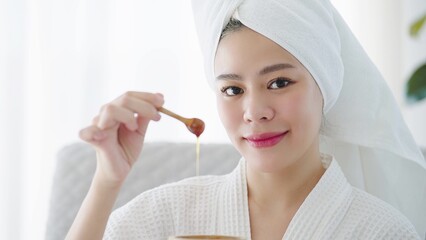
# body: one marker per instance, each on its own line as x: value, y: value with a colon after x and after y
x: 289, y: 79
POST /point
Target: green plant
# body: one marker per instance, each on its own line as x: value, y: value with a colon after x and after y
x: 416, y: 85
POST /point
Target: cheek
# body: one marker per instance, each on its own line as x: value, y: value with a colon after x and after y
x: 228, y: 113
x: 305, y: 110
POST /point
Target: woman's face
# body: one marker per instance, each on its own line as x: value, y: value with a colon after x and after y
x: 268, y: 102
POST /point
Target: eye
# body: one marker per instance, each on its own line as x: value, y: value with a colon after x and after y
x: 279, y: 83
x: 231, y: 91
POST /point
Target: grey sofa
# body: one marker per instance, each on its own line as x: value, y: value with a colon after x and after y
x: 159, y: 163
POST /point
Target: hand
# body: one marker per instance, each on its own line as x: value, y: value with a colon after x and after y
x: 118, y: 133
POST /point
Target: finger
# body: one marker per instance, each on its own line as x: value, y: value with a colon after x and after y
x: 92, y: 134
x: 140, y: 107
x: 156, y: 99
x: 95, y: 120
x: 143, y: 125
x: 111, y: 115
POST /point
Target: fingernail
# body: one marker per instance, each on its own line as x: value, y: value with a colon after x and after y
x: 157, y: 117
x: 160, y: 98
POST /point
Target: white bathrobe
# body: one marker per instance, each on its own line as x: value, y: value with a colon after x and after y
x: 219, y: 205
x: 363, y: 126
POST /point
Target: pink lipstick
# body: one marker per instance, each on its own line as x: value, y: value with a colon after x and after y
x: 265, y: 140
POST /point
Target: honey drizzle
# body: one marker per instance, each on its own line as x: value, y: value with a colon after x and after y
x: 197, y: 159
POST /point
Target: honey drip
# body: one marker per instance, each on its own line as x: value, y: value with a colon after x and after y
x: 197, y: 159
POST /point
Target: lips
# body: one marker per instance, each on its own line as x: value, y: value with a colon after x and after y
x: 264, y: 140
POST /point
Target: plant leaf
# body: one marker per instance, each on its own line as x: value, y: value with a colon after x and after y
x: 416, y: 85
x: 416, y: 26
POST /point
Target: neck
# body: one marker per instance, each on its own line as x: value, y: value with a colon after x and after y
x: 288, y: 187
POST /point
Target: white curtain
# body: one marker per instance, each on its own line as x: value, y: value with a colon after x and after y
x: 61, y: 60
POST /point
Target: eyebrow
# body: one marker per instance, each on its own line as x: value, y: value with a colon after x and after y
x: 265, y: 70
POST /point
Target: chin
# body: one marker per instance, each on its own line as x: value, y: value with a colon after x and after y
x: 262, y: 160
x: 267, y: 164
x: 263, y: 167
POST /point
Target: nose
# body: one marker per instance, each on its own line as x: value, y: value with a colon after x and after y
x: 257, y: 109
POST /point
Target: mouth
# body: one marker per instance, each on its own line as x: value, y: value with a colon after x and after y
x: 265, y: 140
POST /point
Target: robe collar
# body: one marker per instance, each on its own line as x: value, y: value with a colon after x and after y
x: 318, y: 216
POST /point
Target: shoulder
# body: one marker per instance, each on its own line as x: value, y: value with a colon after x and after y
x: 164, y: 195
x: 181, y: 190
x: 370, y: 216
x: 151, y: 214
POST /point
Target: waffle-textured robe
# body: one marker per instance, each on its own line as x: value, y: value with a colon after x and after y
x: 219, y: 205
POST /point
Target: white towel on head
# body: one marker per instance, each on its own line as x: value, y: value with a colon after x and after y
x: 364, y: 128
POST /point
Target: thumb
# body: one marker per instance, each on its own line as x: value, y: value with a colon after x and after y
x: 92, y: 134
